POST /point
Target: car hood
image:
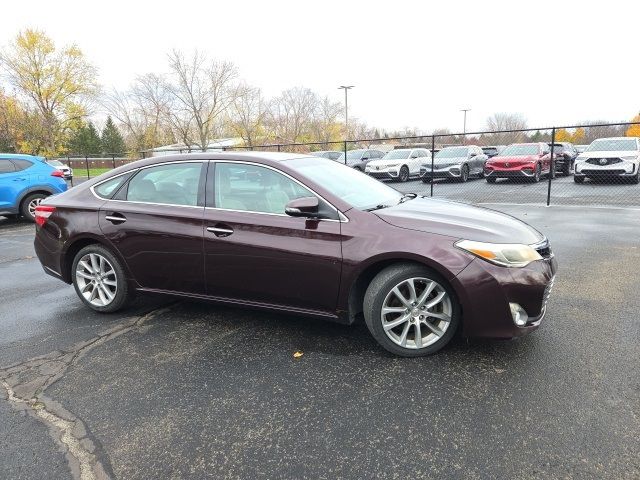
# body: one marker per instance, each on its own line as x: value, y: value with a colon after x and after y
x: 448, y: 161
x: 458, y: 220
x: 608, y: 154
x: 382, y: 162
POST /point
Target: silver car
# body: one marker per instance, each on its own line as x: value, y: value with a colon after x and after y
x: 458, y: 163
x: 358, y: 159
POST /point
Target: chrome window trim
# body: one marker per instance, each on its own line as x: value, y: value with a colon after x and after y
x: 342, y: 216
x: 244, y: 162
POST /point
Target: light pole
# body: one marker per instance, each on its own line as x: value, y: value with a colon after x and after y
x: 346, y: 88
x: 464, y: 125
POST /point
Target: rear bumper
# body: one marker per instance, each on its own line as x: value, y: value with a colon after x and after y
x: 486, y: 292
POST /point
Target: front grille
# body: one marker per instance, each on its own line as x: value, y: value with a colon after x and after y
x: 617, y: 171
x: 609, y: 161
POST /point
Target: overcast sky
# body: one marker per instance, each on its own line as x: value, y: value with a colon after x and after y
x: 413, y: 64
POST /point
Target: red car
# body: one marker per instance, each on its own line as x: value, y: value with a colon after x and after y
x: 528, y: 161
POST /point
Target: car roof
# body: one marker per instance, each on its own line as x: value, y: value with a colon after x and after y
x: 615, y: 138
x: 20, y: 156
x: 253, y: 156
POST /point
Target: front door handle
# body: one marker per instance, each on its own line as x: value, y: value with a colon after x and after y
x: 116, y: 218
x: 220, y: 230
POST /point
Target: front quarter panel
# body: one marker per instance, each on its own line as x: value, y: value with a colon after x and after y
x: 368, y: 240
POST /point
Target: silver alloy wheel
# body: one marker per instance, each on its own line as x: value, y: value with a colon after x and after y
x: 96, y: 279
x: 416, y: 313
x: 32, y: 206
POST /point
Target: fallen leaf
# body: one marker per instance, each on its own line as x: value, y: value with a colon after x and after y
x: 297, y: 354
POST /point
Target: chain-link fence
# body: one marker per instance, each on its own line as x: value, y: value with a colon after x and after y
x: 582, y: 165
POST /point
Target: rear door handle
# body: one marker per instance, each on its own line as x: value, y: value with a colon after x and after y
x: 220, y: 230
x: 21, y: 179
x: 116, y: 218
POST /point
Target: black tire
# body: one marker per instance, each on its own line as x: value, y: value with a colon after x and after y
x: 464, y: 174
x: 537, y: 174
x: 635, y: 180
x: 491, y: 179
x: 123, y: 293
x: 403, y: 176
x: 357, y: 168
x: 374, y: 298
x: 566, y: 168
x: 28, y: 203
x: 579, y: 179
x: 426, y: 180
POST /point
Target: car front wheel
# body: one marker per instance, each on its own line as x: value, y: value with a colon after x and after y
x: 410, y: 310
x: 99, y: 279
x: 403, y: 176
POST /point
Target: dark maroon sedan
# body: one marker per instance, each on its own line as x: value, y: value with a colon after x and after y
x: 302, y: 235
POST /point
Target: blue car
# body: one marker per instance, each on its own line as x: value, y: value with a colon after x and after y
x: 24, y: 181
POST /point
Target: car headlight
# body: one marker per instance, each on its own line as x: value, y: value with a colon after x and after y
x: 503, y: 254
x: 391, y: 165
x: 631, y: 158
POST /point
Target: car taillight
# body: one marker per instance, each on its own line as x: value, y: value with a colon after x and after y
x: 43, y: 212
x: 57, y: 173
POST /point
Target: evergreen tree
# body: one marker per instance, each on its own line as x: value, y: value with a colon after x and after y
x: 85, y: 141
x: 112, y: 141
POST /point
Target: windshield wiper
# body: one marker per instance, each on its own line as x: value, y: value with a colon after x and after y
x: 407, y: 196
x: 377, y: 207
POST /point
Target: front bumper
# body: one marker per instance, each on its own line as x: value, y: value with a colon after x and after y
x: 621, y: 169
x: 383, y: 172
x: 452, y: 171
x: 486, y: 290
x: 512, y: 172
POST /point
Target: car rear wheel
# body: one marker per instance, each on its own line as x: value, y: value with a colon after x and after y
x: 403, y: 176
x: 99, y: 279
x: 29, y: 204
x: 411, y: 310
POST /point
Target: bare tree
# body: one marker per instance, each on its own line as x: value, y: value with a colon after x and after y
x: 325, y: 124
x: 203, y: 91
x: 591, y: 133
x: 247, y: 114
x: 291, y: 114
x: 499, y: 122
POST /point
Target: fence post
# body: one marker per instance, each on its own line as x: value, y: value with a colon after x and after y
x: 345, y: 152
x: 278, y: 147
x: 433, y: 147
x: 552, y: 169
x: 113, y: 160
x: 86, y: 164
x: 143, y: 154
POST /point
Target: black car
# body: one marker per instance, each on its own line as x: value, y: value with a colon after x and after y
x: 492, y: 150
x: 565, y: 156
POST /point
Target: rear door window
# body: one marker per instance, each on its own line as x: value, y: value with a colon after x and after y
x: 22, y: 164
x: 171, y: 184
x: 6, y: 166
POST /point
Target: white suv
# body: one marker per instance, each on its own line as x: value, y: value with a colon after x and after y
x: 617, y: 157
x: 399, y: 164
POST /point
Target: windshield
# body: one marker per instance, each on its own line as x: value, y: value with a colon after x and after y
x: 613, y: 145
x: 397, y: 155
x: 359, y: 190
x: 55, y: 163
x: 520, y: 149
x: 352, y: 155
x: 452, y: 152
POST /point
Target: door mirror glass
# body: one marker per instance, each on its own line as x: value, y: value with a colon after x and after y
x: 302, y: 207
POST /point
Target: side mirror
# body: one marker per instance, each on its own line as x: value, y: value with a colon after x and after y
x: 302, y: 207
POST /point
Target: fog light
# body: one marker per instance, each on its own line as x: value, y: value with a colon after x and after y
x: 519, y: 314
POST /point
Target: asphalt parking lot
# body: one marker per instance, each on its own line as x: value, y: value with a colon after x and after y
x: 172, y: 389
